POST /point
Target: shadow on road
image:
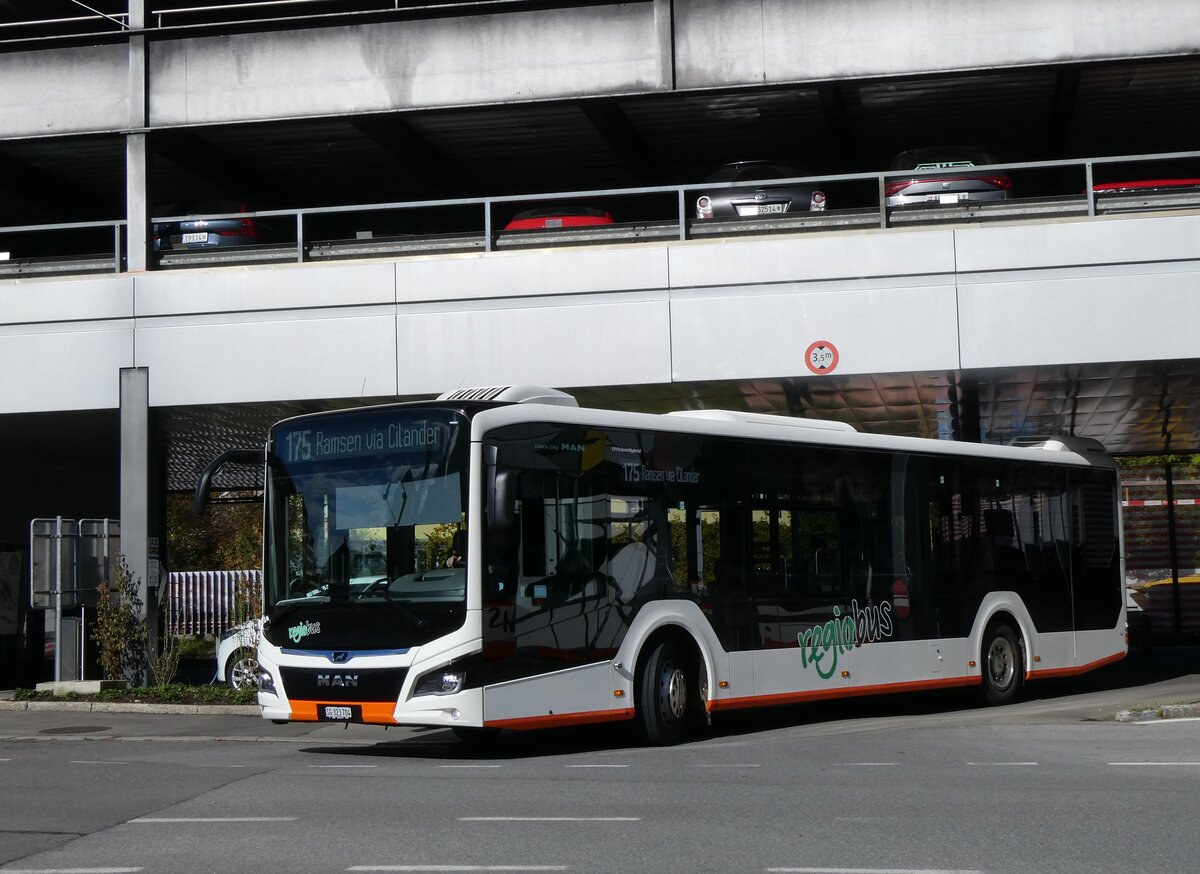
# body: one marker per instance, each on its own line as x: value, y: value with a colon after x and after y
x: 1139, y: 670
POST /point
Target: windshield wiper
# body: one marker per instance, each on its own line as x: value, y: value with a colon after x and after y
x: 412, y: 617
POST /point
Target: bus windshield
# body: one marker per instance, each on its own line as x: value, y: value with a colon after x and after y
x: 366, y: 524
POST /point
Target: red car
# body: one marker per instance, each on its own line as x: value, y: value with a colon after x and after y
x: 544, y: 217
x: 1145, y: 186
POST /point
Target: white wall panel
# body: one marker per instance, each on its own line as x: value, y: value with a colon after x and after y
x: 537, y: 273
x: 811, y: 257
x: 755, y: 42
x: 65, y: 90
x: 275, y: 356
x: 279, y: 287
x: 84, y: 298
x: 1112, y: 240
x: 749, y: 332
x: 1141, y: 313
x: 548, y: 53
x: 617, y: 339
x: 71, y: 366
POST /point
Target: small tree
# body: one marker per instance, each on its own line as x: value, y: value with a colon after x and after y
x: 121, y: 627
x: 166, y: 665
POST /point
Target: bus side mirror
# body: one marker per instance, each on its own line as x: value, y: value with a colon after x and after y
x: 501, y: 491
x: 231, y: 456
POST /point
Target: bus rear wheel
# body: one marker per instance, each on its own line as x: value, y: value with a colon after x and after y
x: 1003, y: 664
x: 664, y: 690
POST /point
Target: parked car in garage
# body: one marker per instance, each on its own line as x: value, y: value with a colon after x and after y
x: 757, y: 196
x: 1147, y: 186
x: 953, y: 180
x: 558, y: 216
x: 203, y: 233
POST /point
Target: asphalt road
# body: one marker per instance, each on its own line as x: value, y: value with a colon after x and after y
x: 902, y: 784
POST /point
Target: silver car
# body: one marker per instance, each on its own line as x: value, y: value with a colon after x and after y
x: 757, y: 197
x: 944, y: 176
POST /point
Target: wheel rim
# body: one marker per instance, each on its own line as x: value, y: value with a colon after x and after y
x: 673, y: 693
x: 1002, y: 663
x: 244, y: 674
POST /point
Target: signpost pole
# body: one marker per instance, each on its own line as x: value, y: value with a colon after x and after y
x: 58, y: 535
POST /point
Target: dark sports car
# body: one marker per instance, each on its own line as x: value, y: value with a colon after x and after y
x: 758, y: 196
x: 206, y: 233
x: 951, y: 182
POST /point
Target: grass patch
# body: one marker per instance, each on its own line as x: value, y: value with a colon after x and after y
x: 173, y: 693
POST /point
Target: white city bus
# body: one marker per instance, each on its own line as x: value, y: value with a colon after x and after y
x: 662, y: 568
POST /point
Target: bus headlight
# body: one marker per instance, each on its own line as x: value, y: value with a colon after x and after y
x: 441, y: 682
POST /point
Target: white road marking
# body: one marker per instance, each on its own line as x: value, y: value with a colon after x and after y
x: 725, y: 766
x: 95, y: 762
x: 874, y: 870
x: 1003, y: 764
x: 343, y: 766
x: 469, y: 766
x: 597, y: 766
x: 459, y: 867
x: 549, y: 819
x: 1155, y: 764
x: 869, y: 764
x: 71, y: 870
x: 214, y: 819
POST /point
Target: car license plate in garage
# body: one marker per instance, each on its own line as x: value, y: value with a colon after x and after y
x: 339, y: 713
x: 762, y: 209
x: 195, y: 238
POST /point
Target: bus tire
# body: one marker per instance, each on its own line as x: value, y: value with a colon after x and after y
x: 664, y: 690
x: 1003, y: 664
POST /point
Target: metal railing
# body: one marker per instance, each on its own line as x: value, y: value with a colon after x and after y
x: 17, y: 263
x: 1082, y: 202
x: 673, y: 221
x: 253, y: 12
x: 227, y: 13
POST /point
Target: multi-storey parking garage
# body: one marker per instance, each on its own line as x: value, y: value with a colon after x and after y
x: 379, y: 149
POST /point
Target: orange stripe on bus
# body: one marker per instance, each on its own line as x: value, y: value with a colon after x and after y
x: 553, y: 720
x: 840, y: 692
x: 374, y: 712
x: 1049, y: 673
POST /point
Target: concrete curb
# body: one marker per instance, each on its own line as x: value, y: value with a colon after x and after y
x: 115, y: 707
x: 1154, y: 714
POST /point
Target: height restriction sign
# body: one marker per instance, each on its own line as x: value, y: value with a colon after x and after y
x: 821, y: 357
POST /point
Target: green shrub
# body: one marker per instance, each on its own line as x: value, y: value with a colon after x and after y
x: 120, y: 628
x: 195, y: 647
x: 171, y: 693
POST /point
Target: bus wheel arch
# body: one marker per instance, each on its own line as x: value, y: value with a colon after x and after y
x: 670, y: 685
x: 1002, y: 659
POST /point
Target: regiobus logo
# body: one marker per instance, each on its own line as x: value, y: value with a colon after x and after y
x: 298, y: 632
x: 843, y: 633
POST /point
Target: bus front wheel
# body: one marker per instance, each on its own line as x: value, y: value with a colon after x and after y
x: 663, y: 692
x: 1003, y: 664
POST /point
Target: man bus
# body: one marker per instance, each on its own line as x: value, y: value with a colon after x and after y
x: 661, y: 568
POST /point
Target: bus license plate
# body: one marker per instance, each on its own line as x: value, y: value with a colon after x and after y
x: 339, y: 713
